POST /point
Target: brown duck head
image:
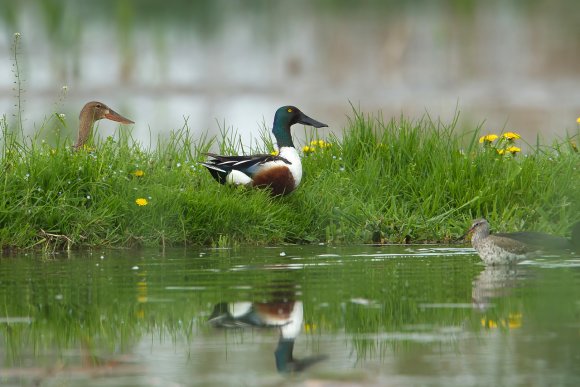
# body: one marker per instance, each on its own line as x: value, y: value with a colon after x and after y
x: 94, y: 111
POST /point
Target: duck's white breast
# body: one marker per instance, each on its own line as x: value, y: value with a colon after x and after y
x: 291, y: 154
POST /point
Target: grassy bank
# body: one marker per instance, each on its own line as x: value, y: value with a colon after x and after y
x: 382, y: 181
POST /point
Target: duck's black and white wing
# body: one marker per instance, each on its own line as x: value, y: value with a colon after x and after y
x: 221, y: 166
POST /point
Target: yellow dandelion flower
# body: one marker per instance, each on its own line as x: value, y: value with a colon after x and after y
x: 274, y: 153
x: 308, y: 149
x: 138, y: 173
x: 141, y: 202
x: 511, y: 136
x: 488, y: 138
x: 513, y: 150
x: 320, y: 143
x: 500, y: 151
x: 578, y: 120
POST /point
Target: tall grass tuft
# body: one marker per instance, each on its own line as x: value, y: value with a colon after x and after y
x: 421, y: 180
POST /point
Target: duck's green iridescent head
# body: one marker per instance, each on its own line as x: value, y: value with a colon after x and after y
x: 285, y: 117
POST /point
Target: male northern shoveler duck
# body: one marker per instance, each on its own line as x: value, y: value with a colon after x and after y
x: 281, y: 173
x: 509, y: 248
x: 92, y: 112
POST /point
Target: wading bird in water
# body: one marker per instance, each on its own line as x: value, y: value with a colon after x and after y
x: 510, y: 248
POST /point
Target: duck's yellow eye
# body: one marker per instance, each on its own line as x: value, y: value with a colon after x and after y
x: 289, y: 110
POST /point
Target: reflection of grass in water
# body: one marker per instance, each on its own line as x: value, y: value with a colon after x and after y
x: 104, y: 311
x: 100, y: 314
x: 381, y: 310
x: 88, y: 316
x: 80, y: 312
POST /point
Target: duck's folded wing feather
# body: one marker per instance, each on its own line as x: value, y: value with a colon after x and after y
x: 241, y: 163
x: 220, y: 167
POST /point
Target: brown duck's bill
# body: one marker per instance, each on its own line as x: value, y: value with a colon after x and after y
x: 114, y: 116
x: 305, y: 120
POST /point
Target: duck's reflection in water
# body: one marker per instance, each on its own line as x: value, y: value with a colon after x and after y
x: 281, y: 313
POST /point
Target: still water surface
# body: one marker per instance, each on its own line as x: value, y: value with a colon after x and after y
x: 364, y: 315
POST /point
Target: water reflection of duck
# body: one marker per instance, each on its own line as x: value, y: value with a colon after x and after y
x: 508, y: 248
x: 286, y: 316
x: 92, y: 112
x: 281, y: 173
